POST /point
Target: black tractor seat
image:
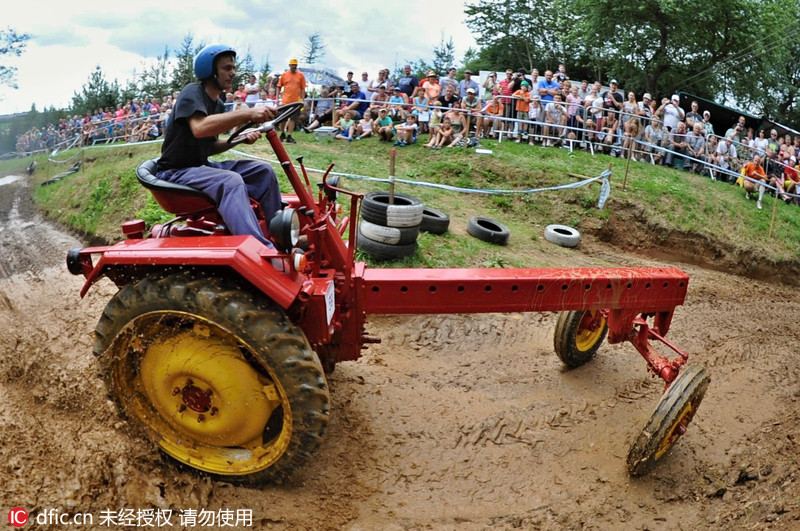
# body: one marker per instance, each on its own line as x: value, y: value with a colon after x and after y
x: 177, y: 199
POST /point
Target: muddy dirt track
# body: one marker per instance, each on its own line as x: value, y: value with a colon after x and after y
x: 453, y: 422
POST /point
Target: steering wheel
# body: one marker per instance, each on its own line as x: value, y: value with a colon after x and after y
x: 283, y: 112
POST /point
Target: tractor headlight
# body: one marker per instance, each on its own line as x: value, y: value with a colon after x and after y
x: 284, y: 229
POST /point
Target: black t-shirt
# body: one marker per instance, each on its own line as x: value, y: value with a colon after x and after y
x: 607, y: 96
x: 519, y: 78
x: 449, y: 103
x: 181, y: 149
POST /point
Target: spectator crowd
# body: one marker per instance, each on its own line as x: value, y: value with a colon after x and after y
x: 551, y: 110
x: 132, y: 121
x: 547, y: 109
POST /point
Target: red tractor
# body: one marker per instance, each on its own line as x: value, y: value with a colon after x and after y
x: 216, y: 346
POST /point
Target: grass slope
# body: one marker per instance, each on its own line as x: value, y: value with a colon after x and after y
x: 668, y: 212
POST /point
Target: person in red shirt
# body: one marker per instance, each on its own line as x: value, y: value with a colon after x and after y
x: 506, y: 90
x: 756, y: 180
x: 790, y: 176
x: 240, y: 92
x: 787, y: 183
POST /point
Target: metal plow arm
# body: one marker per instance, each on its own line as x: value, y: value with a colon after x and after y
x: 626, y: 295
x: 416, y: 291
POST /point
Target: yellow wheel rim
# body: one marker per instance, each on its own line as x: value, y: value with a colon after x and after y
x: 199, y: 396
x: 677, y: 429
x: 590, y: 330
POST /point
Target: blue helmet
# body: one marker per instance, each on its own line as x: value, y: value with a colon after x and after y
x: 205, y: 60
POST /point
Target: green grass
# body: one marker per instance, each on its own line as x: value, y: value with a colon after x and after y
x: 105, y: 193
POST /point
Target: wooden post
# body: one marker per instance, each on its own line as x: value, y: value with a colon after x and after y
x: 627, y: 166
x: 391, y: 175
x: 774, y: 209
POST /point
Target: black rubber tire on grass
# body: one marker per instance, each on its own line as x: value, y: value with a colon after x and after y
x: 488, y: 230
x: 220, y: 314
x: 434, y: 221
x: 383, y: 252
x: 406, y: 211
x: 389, y: 235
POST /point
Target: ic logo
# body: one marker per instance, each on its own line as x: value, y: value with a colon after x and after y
x: 18, y: 517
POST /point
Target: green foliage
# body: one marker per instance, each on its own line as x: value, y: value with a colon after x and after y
x: 98, y: 93
x: 314, y: 49
x: 155, y: 78
x: 183, y: 73
x: 266, y: 67
x: 502, y: 202
x: 444, y: 55
x: 245, y: 66
x: 656, y: 45
x: 769, y: 81
x: 152, y: 213
x: 11, y: 43
x: 656, y: 199
x: 743, y: 51
x: 443, y: 58
x: 496, y: 261
x: 522, y: 33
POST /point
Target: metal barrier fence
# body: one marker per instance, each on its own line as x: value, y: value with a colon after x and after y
x: 615, y: 142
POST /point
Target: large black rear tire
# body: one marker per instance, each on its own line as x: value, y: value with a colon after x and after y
x: 213, y: 374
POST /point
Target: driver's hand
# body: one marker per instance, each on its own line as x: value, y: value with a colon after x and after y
x: 262, y: 114
x: 252, y: 137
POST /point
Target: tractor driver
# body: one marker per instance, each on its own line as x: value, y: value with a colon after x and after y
x: 197, y: 119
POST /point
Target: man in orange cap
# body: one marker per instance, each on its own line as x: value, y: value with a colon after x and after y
x: 292, y: 85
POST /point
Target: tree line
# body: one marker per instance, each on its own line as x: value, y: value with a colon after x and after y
x: 742, y: 53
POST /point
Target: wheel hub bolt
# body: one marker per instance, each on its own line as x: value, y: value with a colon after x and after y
x: 201, y: 418
x: 197, y: 399
x: 214, y: 411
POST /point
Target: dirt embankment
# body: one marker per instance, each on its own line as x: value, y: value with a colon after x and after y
x: 453, y: 422
x: 629, y: 229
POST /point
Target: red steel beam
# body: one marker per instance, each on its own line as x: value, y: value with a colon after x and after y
x: 428, y: 291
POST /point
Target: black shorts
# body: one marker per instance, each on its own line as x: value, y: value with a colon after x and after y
x: 295, y: 115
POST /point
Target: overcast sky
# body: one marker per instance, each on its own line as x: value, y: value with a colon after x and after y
x: 70, y: 39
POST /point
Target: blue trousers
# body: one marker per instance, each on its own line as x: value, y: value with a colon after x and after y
x: 231, y: 184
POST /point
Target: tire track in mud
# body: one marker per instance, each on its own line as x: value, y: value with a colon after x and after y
x: 30, y: 245
x: 529, y: 427
x: 465, y: 424
x: 469, y: 332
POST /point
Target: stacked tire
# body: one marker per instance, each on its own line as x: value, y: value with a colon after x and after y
x: 434, y: 221
x: 388, y: 231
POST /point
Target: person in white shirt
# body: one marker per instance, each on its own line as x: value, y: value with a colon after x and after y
x: 672, y: 112
x: 252, y: 88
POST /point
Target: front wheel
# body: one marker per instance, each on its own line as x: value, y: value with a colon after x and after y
x: 215, y: 376
x: 669, y: 421
x: 578, y: 335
